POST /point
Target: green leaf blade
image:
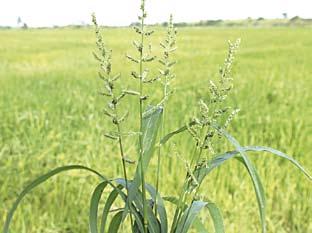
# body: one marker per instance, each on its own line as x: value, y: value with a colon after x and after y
x: 151, y: 123
x: 107, y: 207
x: 189, y: 216
x: 153, y: 224
x: 216, y: 216
x: 258, y: 187
x: 115, y: 223
x: 94, y: 205
x: 279, y: 154
x: 37, y: 182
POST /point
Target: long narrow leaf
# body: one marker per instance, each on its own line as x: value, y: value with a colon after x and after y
x: 254, y: 177
x: 153, y: 224
x: 202, y: 172
x: 117, y: 191
x: 180, y: 130
x: 39, y: 181
x: 108, y: 204
x: 94, y: 205
x: 137, y: 228
x: 216, y: 216
x: 280, y: 154
x: 213, y: 210
x: 199, y: 226
x: 115, y: 223
x: 160, y: 207
x: 175, y: 201
x: 189, y: 216
x: 151, y: 123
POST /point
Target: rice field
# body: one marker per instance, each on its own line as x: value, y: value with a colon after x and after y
x: 51, y: 115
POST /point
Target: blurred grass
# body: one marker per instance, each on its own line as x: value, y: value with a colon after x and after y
x: 50, y: 115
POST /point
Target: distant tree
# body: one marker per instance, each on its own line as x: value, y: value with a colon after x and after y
x: 285, y: 15
x: 296, y: 18
x: 182, y: 24
x: 213, y: 22
x: 25, y: 26
x: 164, y: 24
x: 260, y: 19
x: 19, y: 20
x: 135, y: 24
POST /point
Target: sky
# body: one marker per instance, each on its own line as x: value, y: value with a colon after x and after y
x: 39, y: 13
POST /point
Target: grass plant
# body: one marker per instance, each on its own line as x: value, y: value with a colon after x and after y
x: 134, y: 202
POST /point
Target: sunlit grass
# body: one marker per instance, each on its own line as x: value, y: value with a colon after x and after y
x: 50, y: 115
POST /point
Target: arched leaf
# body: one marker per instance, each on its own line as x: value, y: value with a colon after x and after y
x: 160, y: 207
x: 115, y: 223
x: 216, y: 216
x: 94, y: 205
x: 108, y: 204
x: 150, y: 126
x: 213, y: 210
x: 189, y: 216
x: 153, y: 224
x: 279, y: 154
x: 39, y: 181
x: 253, y: 175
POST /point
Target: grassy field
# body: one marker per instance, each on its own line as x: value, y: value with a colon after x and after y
x: 50, y: 115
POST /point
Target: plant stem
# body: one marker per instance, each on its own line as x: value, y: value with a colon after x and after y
x: 162, y: 130
x: 141, y: 121
x: 193, y: 199
x: 123, y: 164
x: 182, y: 197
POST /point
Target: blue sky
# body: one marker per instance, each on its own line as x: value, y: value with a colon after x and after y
x: 122, y: 12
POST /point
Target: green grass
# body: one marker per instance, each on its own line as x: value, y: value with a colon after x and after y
x: 50, y: 115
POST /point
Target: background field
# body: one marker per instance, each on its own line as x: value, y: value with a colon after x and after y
x: 50, y: 115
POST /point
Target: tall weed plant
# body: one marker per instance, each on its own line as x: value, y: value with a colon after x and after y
x: 141, y: 206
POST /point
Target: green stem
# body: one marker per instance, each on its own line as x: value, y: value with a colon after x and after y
x: 182, y: 197
x: 197, y: 188
x: 162, y: 130
x: 123, y: 164
x: 158, y: 175
x: 193, y: 199
x: 141, y: 125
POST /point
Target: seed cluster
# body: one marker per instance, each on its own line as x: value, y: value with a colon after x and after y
x: 168, y: 46
x: 214, y: 112
x: 104, y: 56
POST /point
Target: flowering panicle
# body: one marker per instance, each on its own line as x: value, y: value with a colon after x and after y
x: 168, y: 46
x: 104, y: 56
x: 145, y: 51
x: 213, y: 113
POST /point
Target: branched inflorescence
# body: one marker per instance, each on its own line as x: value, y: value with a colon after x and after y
x: 145, y: 51
x: 214, y: 112
x: 143, y: 76
x: 166, y: 74
x: 168, y: 46
x: 213, y: 115
x: 104, y: 56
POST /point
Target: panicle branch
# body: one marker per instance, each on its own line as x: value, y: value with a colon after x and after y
x: 104, y: 56
x: 168, y: 46
x: 214, y: 111
x: 143, y: 48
